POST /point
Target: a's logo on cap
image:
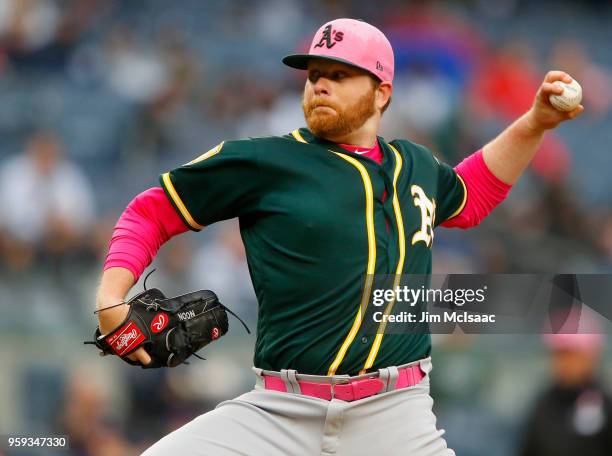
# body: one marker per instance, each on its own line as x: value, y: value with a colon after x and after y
x: 328, y: 35
x: 379, y: 66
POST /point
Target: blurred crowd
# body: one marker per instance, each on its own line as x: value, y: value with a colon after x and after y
x: 100, y: 97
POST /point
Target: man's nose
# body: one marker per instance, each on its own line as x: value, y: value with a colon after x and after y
x: 321, y: 86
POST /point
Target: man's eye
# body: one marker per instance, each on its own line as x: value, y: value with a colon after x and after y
x: 337, y: 75
x: 313, y: 76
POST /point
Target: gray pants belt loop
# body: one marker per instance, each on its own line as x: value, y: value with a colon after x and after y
x: 259, y: 381
x: 426, y: 365
x: 383, y: 375
x: 389, y: 375
x: 292, y: 377
x: 289, y: 377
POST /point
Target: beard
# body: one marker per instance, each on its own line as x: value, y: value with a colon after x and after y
x: 326, y: 123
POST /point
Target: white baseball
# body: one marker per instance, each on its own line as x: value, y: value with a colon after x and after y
x: 569, y: 99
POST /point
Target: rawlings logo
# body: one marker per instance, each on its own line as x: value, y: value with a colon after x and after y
x: 328, y: 34
x: 186, y: 315
x: 214, y: 333
x: 159, y: 322
x: 124, y: 339
x: 127, y: 337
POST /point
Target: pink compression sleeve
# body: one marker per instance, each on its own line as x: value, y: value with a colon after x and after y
x: 484, y: 192
x: 147, y: 222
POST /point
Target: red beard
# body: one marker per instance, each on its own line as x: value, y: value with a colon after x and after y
x: 328, y: 123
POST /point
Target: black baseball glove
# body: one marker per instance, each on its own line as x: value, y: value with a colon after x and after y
x: 169, y: 329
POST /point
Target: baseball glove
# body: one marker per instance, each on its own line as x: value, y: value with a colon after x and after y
x: 170, y: 329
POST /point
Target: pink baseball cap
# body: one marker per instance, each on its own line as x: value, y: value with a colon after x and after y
x: 580, y: 330
x: 353, y: 42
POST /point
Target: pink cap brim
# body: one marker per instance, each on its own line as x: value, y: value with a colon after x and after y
x: 300, y: 62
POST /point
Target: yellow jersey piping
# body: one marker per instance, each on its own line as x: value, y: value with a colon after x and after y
x: 204, y: 156
x: 465, y: 196
x: 369, y: 194
x: 400, y: 263
x: 296, y: 134
x: 179, y: 203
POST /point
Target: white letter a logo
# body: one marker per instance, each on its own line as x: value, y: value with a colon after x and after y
x: 428, y: 216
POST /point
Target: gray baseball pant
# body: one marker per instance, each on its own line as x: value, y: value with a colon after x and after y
x: 271, y: 423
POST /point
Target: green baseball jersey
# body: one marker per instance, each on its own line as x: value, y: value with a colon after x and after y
x: 317, y: 222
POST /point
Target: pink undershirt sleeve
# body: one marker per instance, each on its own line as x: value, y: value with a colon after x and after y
x: 484, y: 192
x: 148, y: 222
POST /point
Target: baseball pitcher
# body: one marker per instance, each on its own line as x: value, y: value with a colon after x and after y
x: 321, y: 210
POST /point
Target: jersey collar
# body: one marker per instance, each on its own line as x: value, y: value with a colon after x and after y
x: 305, y: 135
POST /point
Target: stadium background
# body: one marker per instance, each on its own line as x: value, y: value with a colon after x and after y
x: 99, y: 97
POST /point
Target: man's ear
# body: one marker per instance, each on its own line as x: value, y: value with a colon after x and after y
x: 383, y: 95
